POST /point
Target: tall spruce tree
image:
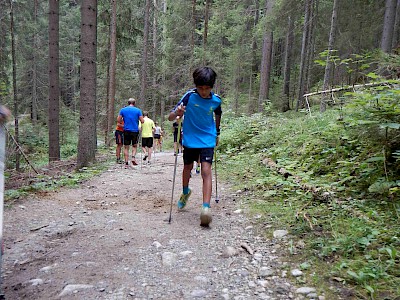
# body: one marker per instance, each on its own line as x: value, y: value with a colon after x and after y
x: 87, y: 124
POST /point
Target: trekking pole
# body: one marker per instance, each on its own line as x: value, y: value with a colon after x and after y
x: 216, y: 178
x: 173, y: 180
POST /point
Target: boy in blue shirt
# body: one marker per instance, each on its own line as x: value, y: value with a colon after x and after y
x: 200, y: 134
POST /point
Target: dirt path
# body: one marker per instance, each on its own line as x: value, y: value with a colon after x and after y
x: 110, y: 239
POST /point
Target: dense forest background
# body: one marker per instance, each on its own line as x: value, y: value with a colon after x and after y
x: 311, y: 109
x: 267, y: 55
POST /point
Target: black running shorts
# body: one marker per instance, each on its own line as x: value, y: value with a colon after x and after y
x: 192, y: 154
x: 147, y: 142
x: 130, y: 137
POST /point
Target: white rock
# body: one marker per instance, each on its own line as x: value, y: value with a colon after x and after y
x: 168, y: 258
x: 36, y: 281
x: 312, y: 296
x: 199, y: 293
x: 238, y: 211
x: 73, y: 288
x: 263, y: 283
x: 265, y: 272
x: 185, y: 253
x: 258, y: 256
x: 201, y: 279
x: 46, y: 269
x: 229, y: 252
x: 156, y: 244
x: 305, y: 290
x: 280, y: 233
x: 296, y: 273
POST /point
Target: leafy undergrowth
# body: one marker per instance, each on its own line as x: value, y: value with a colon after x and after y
x: 337, y: 196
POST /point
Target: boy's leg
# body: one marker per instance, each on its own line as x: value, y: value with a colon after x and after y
x: 186, y: 174
x: 186, y: 191
x: 206, y: 175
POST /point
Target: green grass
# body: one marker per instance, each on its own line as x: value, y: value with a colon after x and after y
x: 350, y: 224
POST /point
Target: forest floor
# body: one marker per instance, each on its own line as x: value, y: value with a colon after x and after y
x: 110, y: 238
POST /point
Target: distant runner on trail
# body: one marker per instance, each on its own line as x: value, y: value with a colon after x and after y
x: 158, y: 137
x: 147, y: 129
x: 131, y: 116
x: 200, y: 134
x: 119, y: 140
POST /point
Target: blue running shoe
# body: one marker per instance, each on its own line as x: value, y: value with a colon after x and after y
x: 183, y: 199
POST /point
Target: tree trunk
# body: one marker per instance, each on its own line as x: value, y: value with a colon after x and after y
x: 265, y: 73
x: 266, y: 60
x: 192, y: 35
x: 87, y: 125
x: 329, y: 65
x: 34, y: 116
x: 162, y: 100
x: 287, y: 67
x: 396, y: 30
x: 310, y: 46
x: 193, y: 21
x: 255, y: 63
x: 303, y: 56
x: 142, y: 101
x: 112, y: 70
x: 14, y: 76
x: 155, y: 57
x: 205, y: 33
x: 388, y: 25
x: 54, y: 88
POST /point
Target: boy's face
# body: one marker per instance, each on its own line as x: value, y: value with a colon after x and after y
x: 204, y: 90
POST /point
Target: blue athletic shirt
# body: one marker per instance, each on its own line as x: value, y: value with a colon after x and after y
x: 131, y: 116
x: 198, y: 123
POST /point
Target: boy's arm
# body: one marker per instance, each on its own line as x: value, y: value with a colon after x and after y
x: 177, y: 112
x: 218, y: 114
x: 218, y: 123
x: 179, y: 109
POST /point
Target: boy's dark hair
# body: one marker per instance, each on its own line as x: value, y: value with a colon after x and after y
x: 145, y: 113
x: 204, y: 76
